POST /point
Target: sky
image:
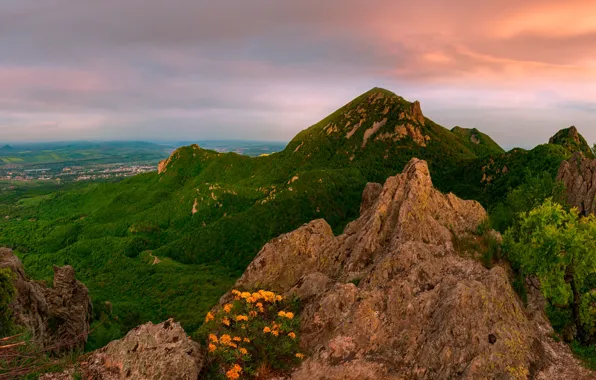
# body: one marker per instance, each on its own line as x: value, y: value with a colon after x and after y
x: 266, y: 69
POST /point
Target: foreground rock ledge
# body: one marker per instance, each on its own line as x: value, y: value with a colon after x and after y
x: 151, y: 352
x: 394, y: 298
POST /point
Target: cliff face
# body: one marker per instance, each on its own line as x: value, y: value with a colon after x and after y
x: 394, y: 298
x: 58, y: 317
x: 578, y: 174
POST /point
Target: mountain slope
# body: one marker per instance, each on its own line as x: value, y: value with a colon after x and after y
x: 170, y: 243
x: 478, y: 142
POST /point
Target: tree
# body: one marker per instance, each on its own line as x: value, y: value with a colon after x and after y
x: 559, y: 248
x: 7, y: 293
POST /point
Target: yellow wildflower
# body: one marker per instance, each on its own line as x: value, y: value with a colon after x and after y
x: 246, y: 340
x: 281, y: 313
x: 213, y: 338
x: 234, y: 345
x: 237, y: 339
x: 236, y: 292
x: 252, y: 313
x: 225, y: 339
x: 237, y: 368
x: 299, y: 355
x: 266, y: 329
x: 256, y: 296
x: 275, y: 332
x: 269, y: 296
x: 243, y: 351
x: 292, y: 335
x: 212, y: 347
x: 241, y: 318
x: 228, y: 307
x: 245, y: 295
x: 225, y: 321
x: 209, y: 317
x: 278, y: 298
x: 232, y: 375
x: 289, y: 315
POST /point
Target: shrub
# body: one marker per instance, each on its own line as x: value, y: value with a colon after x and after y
x: 559, y: 248
x: 256, y: 334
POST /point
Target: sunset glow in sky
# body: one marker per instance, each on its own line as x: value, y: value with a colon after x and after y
x: 266, y: 69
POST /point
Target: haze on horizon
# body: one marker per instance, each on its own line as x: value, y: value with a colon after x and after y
x: 265, y: 69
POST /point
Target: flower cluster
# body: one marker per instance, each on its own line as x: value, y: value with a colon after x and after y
x: 253, y: 333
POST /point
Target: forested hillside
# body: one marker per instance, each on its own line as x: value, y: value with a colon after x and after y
x: 169, y: 244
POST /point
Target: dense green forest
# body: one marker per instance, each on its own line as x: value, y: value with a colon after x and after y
x: 171, y: 243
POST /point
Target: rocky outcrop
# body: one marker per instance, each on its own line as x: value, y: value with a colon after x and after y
x: 578, y: 174
x: 572, y: 140
x: 58, y: 317
x: 393, y: 297
x: 149, y: 352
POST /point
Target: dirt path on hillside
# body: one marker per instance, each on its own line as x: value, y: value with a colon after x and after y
x: 156, y: 260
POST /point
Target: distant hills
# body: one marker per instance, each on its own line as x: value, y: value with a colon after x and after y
x: 206, y: 214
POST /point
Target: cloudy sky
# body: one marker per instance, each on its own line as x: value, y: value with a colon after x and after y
x: 266, y: 69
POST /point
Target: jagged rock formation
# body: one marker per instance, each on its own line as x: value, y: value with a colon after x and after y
x: 150, y: 352
x: 578, y: 174
x: 58, y: 317
x: 394, y: 298
x: 571, y: 140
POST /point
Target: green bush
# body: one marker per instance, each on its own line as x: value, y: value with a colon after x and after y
x: 559, y: 248
x: 253, y: 336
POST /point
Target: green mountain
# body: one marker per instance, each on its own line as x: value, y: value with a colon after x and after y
x: 478, y: 142
x: 570, y: 139
x: 518, y: 180
x: 171, y: 243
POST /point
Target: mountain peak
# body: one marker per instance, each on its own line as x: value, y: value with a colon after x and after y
x: 572, y: 140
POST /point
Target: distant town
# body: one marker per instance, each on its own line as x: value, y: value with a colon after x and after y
x: 76, y: 173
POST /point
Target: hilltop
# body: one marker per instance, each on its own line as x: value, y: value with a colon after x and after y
x: 570, y: 139
x: 170, y: 243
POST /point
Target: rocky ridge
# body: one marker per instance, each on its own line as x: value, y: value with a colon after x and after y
x: 578, y: 174
x: 572, y: 140
x: 58, y: 317
x: 395, y: 298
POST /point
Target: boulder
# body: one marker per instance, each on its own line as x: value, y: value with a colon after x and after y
x: 149, y: 352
